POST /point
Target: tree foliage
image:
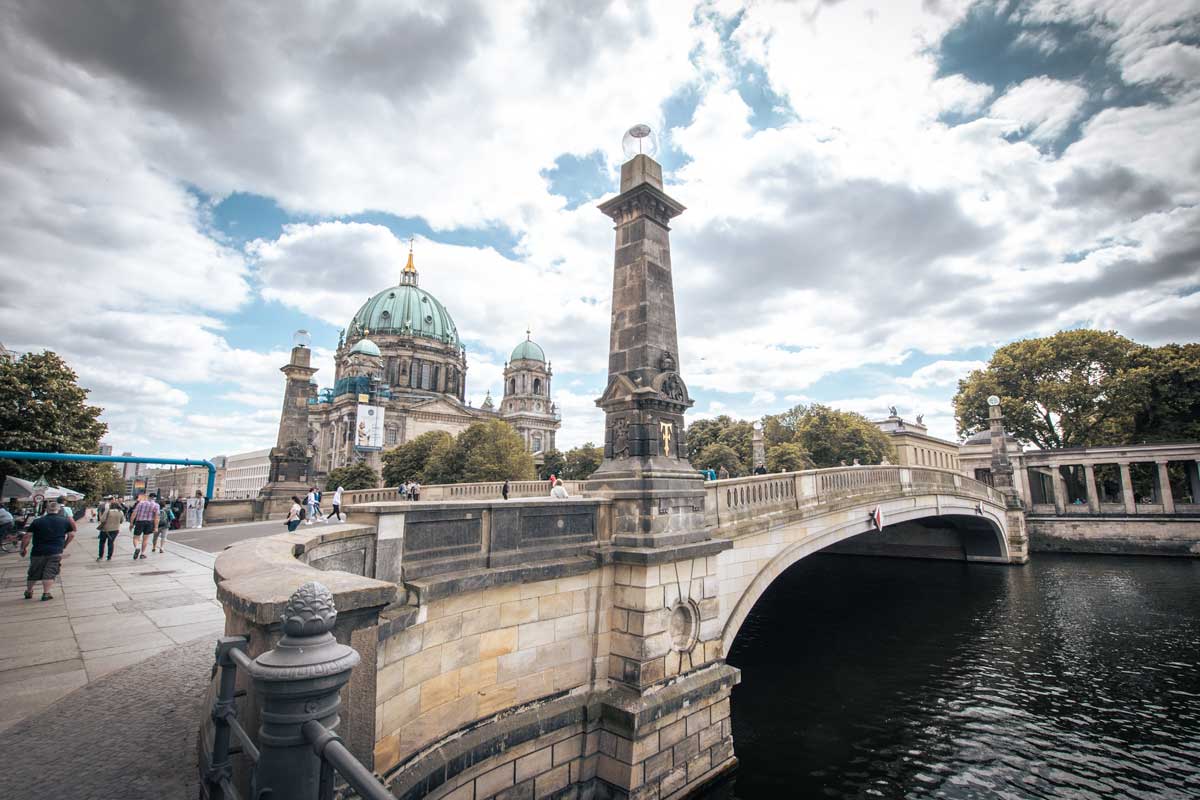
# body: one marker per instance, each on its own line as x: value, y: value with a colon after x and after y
x: 358, y: 475
x: 716, y: 456
x: 736, y: 434
x: 486, y: 451
x: 1170, y: 405
x: 582, y: 461
x: 1085, y: 387
x: 787, y: 457
x: 407, y: 462
x: 553, y: 464
x: 43, y: 409
x: 827, y: 436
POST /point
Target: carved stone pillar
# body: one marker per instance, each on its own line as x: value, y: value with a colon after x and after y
x: 1164, y: 488
x: 1093, y: 499
x: 1060, y: 489
x: 1127, y: 488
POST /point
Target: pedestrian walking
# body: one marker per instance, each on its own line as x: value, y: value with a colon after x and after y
x: 337, y: 503
x: 504, y: 489
x: 195, y: 510
x: 313, y: 507
x: 66, y: 509
x: 7, y: 521
x: 414, y: 491
x: 295, y: 515
x: 178, y: 508
x: 143, y: 521
x: 166, y: 519
x: 109, y: 524
x: 51, y: 534
x: 724, y: 473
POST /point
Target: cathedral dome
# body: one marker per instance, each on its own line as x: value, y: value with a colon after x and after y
x: 528, y: 349
x: 366, y: 347
x: 407, y: 310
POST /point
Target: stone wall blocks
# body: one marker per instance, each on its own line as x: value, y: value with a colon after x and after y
x: 573, y: 583
x: 568, y: 749
x: 697, y: 721
x: 553, y: 655
x: 674, y: 780
x: 710, y: 736
x: 518, y: 612
x: 552, y: 606
x: 658, y: 765
x: 439, y: 690
x: 620, y: 620
x: 535, y: 634
x: 670, y: 594
x: 699, y: 765
x: 710, y: 608
x: 495, y: 781
x: 712, y: 586
x: 644, y: 575
x: 551, y: 781
x: 481, y: 675
x: 686, y: 749
x: 400, y: 709
x: 720, y: 710
x: 532, y: 687
x: 571, y: 675
x: 534, y: 764
x: 618, y: 773
x: 493, y: 644
x: 497, y: 698
x: 388, y: 682
x: 404, y: 644
x: 460, y: 652
x: 570, y: 627
x: 517, y: 665
x: 443, y: 630
x: 638, y: 598
x: 422, y: 666
x: 480, y: 620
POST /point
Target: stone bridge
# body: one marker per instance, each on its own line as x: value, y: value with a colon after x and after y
x: 511, y: 646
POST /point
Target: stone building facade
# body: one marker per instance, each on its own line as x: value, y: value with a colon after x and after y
x: 915, y: 447
x: 402, y: 354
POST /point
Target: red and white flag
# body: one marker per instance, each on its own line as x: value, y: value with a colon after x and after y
x: 877, y: 518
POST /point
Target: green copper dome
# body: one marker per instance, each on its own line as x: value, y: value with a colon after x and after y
x: 406, y: 310
x: 528, y: 349
x: 366, y: 347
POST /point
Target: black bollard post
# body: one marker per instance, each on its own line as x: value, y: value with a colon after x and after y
x: 298, y: 682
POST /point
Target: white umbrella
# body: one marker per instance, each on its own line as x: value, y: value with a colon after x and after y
x: 16, y: 487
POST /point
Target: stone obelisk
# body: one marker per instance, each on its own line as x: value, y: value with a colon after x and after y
x: 666, y: 649
x: 1004, y: 482
x: 291, y: 464
x: 658, y: 495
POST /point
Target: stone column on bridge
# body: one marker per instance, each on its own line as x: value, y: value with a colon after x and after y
x: 1164, y: 488
x: 1002, y: 480
x: 291, y: 461
x: 665, y: 663
x: 1127, y: 488
x: 758, y: 446
x: 1060, y: 489
x: 1093, y: 498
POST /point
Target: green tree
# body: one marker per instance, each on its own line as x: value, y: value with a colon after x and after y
x: 554, y: 464
x: 43, y: 409
x: 358, y: 475
x: 108, y: 481
x: 408, y: 461
x: 717, y: 455
x: 787, y: 457
x: 486, y: 451
x: 827, y: 435
x: 736, y: 434
x: 494, y: 451
x: 582, y: 461
x: 1170, y: 406
x: 1073, y: 389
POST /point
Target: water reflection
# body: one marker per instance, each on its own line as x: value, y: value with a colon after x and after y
x: 1071, y: 677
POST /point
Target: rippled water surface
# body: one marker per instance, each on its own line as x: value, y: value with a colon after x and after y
x: 1071, y: 677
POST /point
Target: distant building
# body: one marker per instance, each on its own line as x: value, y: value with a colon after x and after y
x: 915, y: 447
x: 105, y: 449
x: 178, y: 481
x: 245, y: 474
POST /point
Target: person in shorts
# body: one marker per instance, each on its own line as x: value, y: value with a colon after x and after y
x: 144, y: 521
x: 51, y: 533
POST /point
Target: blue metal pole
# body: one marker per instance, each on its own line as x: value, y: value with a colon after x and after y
x: 22, y: 455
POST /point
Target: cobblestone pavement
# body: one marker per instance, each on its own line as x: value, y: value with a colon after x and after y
x: 105, y: 615
x: 131, y: 735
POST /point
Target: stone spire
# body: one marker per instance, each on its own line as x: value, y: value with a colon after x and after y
x: 1002, y: 468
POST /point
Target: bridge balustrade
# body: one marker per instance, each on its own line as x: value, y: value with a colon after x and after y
x: 488, y: 490
x: 737, y: 499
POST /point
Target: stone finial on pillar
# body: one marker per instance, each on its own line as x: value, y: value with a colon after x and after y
x: 1002, y: 469
x: 298, y: 681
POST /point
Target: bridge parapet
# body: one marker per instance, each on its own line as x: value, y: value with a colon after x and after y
x: 486, y: 490
x: 735, y: 500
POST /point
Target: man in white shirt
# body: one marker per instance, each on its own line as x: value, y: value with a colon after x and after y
x: 559, y: 492
x: 337, y: 504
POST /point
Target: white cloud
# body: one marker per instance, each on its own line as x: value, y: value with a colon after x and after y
x: 940, y: 373
x: 1043, y: 106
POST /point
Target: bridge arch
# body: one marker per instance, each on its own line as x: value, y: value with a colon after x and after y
x: 981, y: 527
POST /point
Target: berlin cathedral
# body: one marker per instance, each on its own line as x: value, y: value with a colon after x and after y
x: 401, y: 371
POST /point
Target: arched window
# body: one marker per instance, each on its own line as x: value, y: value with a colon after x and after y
x: 512, y: 385
x: 537, y: 386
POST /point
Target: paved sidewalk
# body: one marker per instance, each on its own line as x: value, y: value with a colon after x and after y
x: 105, y: 615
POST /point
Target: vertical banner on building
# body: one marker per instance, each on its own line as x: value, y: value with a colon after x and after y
x: 368, y: 427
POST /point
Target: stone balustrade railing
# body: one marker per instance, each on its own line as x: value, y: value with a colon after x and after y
x: 489, y: 490
x: 737, y: 499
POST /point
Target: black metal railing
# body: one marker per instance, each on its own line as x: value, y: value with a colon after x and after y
x: 298, y: 755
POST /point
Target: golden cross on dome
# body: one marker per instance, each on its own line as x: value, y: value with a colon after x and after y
x: 410, y: 267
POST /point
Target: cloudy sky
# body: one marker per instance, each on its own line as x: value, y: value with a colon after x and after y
x: 879, y: 193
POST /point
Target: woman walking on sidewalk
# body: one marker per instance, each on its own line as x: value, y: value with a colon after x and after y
x: 109, y: 523
x: 295, y: 515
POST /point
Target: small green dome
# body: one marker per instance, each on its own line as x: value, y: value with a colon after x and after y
x: 366, y: 347
x: 409, y: 311
x: 528, y: 349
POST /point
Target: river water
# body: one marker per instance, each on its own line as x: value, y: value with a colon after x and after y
x: 1070, y: 677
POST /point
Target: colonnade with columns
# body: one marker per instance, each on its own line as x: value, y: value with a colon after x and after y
x: 1066, y: 480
